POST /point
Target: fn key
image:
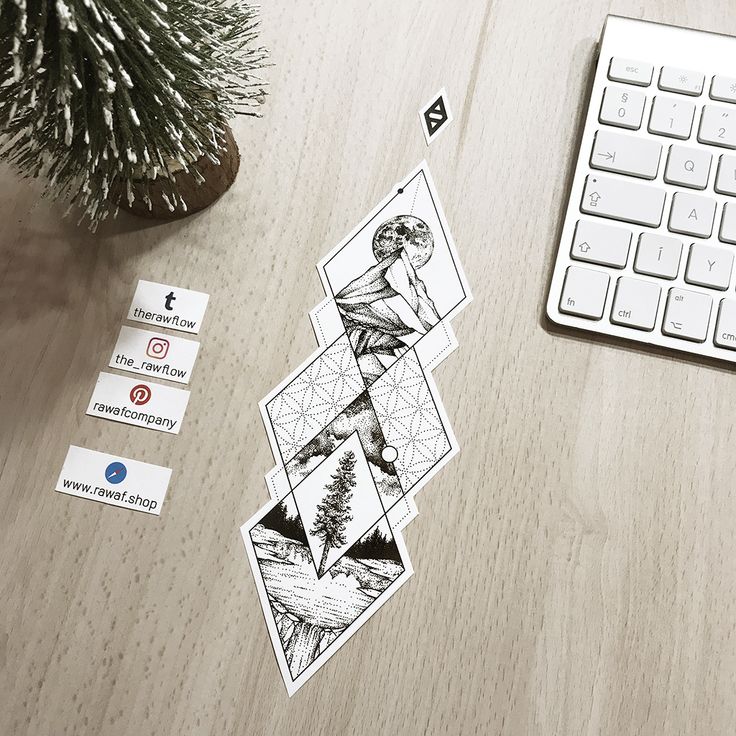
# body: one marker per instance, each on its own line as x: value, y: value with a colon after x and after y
x: 584, y: 292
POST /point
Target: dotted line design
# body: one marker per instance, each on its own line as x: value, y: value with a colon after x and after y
x: 316, y: 318
x: 416, y: 191
x: 444, y: 349
x: 271, y: 480
x: 408, y: 512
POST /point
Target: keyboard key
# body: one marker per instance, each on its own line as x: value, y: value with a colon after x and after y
x: 623, y: 200
x: 584, y: 292
x: 671, y: 117
x: 709, y: 266
x: 689, y: 167
x: 625, y: 154
x: 718, y: 126
x: 725, y: 334
x: 633, y: 72
x: 692, y: 214
x: 635, y: 303
x: 687, y: 315
x: 595, y: 242
x: 723, y: 88
x: 726, y: 177
x: 728, y: 223
x: 622, y: 107
x: 658, y: 255
x: 681, y: 80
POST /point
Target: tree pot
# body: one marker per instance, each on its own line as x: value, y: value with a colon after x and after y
x: 218, y: 178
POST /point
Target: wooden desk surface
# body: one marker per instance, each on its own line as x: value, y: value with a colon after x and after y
x: 574, y: 564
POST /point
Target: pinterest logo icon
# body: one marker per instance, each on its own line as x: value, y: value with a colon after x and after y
x: 140, y: 394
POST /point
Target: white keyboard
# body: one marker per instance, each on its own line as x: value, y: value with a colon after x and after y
x: 648, y: 244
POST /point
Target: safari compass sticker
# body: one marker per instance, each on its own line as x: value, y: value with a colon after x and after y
x: 357, y: 430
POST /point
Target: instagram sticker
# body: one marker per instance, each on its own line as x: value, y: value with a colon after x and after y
x: 158, y: 348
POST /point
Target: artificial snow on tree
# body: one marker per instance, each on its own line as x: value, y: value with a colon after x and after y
x: 127, y: 100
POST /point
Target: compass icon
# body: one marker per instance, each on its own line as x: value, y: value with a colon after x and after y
x: 115, y: 472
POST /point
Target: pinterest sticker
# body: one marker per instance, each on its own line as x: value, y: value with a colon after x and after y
x: 140, y: 394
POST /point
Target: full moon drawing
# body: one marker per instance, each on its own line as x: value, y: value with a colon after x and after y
x: 407, y: 232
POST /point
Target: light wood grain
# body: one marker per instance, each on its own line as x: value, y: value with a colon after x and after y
x: 574, y: 564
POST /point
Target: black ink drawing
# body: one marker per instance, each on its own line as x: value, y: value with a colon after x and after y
x: 357, y: 431
x: 387, y: 309
x: 334, y: 511
x: 360, y: 417
x: 312, y: 612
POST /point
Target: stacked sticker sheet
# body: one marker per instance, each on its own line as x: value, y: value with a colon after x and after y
x: 357, y: 430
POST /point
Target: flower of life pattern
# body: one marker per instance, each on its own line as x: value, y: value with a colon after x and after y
x: 315, y: 397
x: 409, y: 419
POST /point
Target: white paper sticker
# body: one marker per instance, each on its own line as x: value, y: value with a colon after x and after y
x: 154, y: 354
x: 115, y: 480
x: 168, y: 306
x: 143, y: 404
x: 357, y: 430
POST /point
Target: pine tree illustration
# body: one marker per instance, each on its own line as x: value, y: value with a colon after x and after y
x: 334, y: 512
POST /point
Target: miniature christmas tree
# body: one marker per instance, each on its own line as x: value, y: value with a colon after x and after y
x: 111, y: 98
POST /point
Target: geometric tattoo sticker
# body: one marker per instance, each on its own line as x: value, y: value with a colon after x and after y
x: 357, y: 430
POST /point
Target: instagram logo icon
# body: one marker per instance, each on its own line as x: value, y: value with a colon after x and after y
x: 157, y: 348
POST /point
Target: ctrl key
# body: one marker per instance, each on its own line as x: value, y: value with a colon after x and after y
x: 584, y: 292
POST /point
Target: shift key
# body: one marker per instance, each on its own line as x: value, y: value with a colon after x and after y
x: 623, y: 199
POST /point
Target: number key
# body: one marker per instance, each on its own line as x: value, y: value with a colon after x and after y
x: 622, y: 107
x: 718, y: 126
x: 671, y: 117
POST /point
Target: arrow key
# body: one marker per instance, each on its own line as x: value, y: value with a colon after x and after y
x: 625, y: 154
x: 596, y: 242
x: 623, y: 199
x: 687, y: 315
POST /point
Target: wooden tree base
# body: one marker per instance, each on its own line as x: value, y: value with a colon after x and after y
x: 218, y: 179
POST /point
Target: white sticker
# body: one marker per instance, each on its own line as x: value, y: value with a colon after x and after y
x: 435, y: 116
x: 168, y: 306
x: 140, y: 403
x: 153, y: 354
x: 115, y: 480
x: 357, y: 430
